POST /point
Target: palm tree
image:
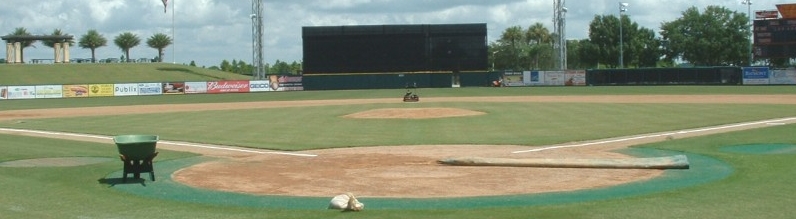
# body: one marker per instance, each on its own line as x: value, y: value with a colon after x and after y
x: 513, y: 38
x: 92, y: 40
x: 159, y: 41
x: 537, y: 37
x: 126, y: 41
x: 51, y: 43
x: 21, y: 31
x: 538, y: 34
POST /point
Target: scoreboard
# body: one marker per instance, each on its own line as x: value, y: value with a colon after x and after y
x: 775, y: 38
x: 395, y: 48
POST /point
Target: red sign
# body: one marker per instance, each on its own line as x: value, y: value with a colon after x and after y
x: 215, y: 87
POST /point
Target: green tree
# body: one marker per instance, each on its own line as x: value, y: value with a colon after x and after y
x: 21, y: 31
x: 636, y: 42
x: 539, y: 43
x: 193, y: 64
x: 92, y: 40
x: 280, y: 67
x: 51, y: 43
x: 585, y: 51
x: 125, y: 42
x: 225, y: 66
x: 234, y: 66
x: 717, y: 36
x: 646, y: 48
x: 296, y: 67
x: 510, y: 47
x: 159, y: 41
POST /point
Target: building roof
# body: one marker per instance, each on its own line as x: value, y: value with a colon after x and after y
x: 36, y: 37
x: 787, y: 10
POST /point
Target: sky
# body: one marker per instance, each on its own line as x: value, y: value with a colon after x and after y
x: 209, y: 31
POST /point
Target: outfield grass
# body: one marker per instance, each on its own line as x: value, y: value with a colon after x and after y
x: 760, y: 187
x: 108, y: 74
x: 504, y: 123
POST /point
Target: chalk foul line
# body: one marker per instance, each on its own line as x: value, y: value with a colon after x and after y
x: 782, y: 121
x: 175, y: 143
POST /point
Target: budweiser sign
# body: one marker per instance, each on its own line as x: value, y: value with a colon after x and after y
x: 228, y: 87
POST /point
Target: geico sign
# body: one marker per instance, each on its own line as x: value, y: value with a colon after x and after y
x: 259, y: 86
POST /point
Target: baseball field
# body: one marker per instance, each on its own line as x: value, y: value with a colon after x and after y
x: 285, y: 154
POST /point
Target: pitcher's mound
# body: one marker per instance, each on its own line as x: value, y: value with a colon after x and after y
x: 413, y: 113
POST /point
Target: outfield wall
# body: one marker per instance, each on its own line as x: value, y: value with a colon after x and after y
x: 279, y: 83
x: 398, y: 80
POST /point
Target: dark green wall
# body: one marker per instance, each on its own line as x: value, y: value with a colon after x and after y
x: 394, y: 80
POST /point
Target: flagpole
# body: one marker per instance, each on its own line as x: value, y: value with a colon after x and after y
x: 173, y: 38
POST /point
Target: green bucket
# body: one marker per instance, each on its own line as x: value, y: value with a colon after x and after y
x: 136, y: 147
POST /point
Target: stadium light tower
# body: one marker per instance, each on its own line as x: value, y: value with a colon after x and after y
x: 257, y: 39
x: 622, y: 9
x: 748, y: 4
x: 560, y: 24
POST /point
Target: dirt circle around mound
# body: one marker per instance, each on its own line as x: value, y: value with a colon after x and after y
x: 413, y: 113
x: 402, y: 172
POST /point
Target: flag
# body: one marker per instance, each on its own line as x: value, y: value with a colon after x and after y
x: 165, y: 5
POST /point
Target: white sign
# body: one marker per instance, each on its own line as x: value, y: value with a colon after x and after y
x: 49, y: 91
x: 21, y: 92
x: 259, y: 86
x: 125, y: 90
x: 150, y: 89
x: 196, y: 87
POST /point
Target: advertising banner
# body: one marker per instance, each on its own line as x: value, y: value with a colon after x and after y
x: 215, y: 87
x: 21, y: 92
x: 196, y: 87
x: 289, y: 83
x: 533, y: 78
x: 554, y: 78
x: 174, y: 88
x: 755, y: 75
x: 100, y: 90
x: 120, y: 90
x: 49, y: 91
x: 273, y: 83
x: 783, y: 76
x: 575, y: 78
x: 259, y: 86
x: 513, y: 79
x: 75, y: 90
x: 3, y: 92
x: 148, y: 89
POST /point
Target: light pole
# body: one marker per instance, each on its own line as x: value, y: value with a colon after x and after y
x: 494, y: 59
x: 560, y: 23
x: 748, y: 4
x: 622, y: 8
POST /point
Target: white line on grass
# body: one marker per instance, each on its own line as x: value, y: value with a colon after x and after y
x: 766, y: 122
x: 185, y: 144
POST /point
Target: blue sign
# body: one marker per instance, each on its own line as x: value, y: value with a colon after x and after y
x: 755, y: 73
